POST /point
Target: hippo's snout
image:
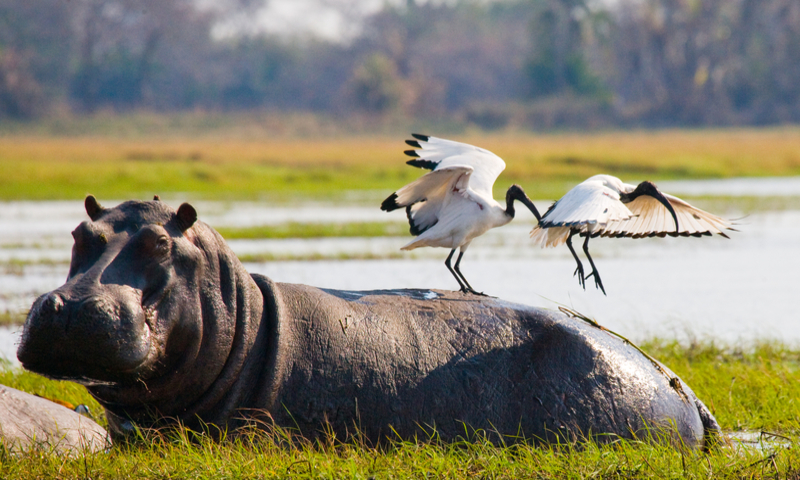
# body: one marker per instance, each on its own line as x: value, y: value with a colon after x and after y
x: 47, y: 309
x: 96, y: 312
x: 95, y: 337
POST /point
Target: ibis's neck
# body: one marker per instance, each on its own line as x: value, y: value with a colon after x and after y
x: 515, y: 192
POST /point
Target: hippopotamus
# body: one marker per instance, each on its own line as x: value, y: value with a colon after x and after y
x: 163, y: 324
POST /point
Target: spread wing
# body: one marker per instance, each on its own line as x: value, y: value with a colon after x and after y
x: 586, y: 208
x: 424, y: 197
x: 437, y: 153
x: 652, y: 219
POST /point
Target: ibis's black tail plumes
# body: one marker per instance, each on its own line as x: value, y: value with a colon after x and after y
x: 419, y: 136
x: 417, y: 161
x: 648, y: 188
x: 515, y: 192
x: 390, y: 203
x: 422, y: 163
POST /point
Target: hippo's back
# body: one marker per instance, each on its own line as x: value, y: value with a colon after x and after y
x: 399, y: 362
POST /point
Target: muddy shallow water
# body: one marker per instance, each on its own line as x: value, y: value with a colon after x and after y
x: 736, y: 291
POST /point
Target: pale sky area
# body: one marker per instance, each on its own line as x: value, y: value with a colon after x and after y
x: 333, y: 20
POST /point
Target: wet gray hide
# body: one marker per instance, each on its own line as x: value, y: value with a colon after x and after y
x: 162, y: 323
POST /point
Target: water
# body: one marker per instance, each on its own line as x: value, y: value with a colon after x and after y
x: 735, y: 187
x: 735, y: 291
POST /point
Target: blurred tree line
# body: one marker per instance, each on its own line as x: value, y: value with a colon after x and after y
x: 527, y: 63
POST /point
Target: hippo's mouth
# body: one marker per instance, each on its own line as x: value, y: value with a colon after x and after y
x: 90, y: 367
x: 91, y: 341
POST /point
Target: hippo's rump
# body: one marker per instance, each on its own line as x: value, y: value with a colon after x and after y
x: 403, y: 362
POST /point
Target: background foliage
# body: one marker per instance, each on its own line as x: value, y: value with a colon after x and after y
x: 494, y: 63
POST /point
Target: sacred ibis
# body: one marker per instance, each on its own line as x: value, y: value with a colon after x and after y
x: 604, y: 206
x: 452, y: 204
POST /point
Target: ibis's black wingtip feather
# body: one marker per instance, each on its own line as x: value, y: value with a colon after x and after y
x: 422, y: 163
x: 420, y: 136
x: 411, y: 153
x: 413, y: 143
x: 390, y: 203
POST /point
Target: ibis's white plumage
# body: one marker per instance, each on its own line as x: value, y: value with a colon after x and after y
x: 605, y: 206
x: 453, y: 204
x: 650, y: 218
x: 595, y: 208
x: 447, y: 153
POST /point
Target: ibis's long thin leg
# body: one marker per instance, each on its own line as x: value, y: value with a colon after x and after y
x: 579, y: 270
x: 458, y: 279
x: 469, y: 287
x: 597, y: 282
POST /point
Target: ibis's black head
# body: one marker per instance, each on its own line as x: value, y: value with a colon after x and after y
x: 649, y: 189
x: 515, y: 192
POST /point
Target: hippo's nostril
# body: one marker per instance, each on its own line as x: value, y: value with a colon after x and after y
x: 53, y: 303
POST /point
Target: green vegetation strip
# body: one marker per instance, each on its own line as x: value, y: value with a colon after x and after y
x: 39, y: 166
x: 753, y: 389
x: 17, y: 267
x: 317, y: 257
x: 317, y: 230
x: 9, y: 319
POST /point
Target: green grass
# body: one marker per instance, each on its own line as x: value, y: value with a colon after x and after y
x: 746, y: 388
x: 317, y: 230
x: 316, y: 257
x: 257, y: 456
x: 52, y: 389
x: 226, y: 165
x: 8, y: 319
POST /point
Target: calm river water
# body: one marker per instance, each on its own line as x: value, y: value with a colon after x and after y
x: 736, y: 291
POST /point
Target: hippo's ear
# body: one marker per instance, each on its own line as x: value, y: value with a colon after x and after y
x: 156, y: 198
x: 187, y: 215
x: 93, y: 208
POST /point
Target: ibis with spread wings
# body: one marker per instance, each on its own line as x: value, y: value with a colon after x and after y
x: 453, y: 203
x: 604, y: 206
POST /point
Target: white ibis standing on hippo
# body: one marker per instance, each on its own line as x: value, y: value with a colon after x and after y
x: 453, y: 203
x: 604, y: 206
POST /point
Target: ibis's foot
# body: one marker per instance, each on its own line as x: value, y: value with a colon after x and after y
x: 473, y: 292
x: 581, y: 279
x: 597, y: 282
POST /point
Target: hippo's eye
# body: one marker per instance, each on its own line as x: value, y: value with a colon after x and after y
x: 162, y: 244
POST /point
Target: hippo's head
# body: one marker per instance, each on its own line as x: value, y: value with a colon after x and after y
x: 156, y: 311
x: 110, y: 321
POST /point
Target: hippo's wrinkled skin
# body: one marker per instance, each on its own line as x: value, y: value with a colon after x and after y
x: 159, y: 318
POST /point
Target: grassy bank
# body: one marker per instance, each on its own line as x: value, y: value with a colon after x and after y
x: 43, y: 166
x: 317, y: 230
x: 751, y: 389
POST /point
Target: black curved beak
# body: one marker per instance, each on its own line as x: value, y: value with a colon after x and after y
x: 515, y: 192
x: 661, y: 198
x: 649, y: 188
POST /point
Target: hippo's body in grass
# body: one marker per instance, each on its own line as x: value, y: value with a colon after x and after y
x: 162, y: 323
